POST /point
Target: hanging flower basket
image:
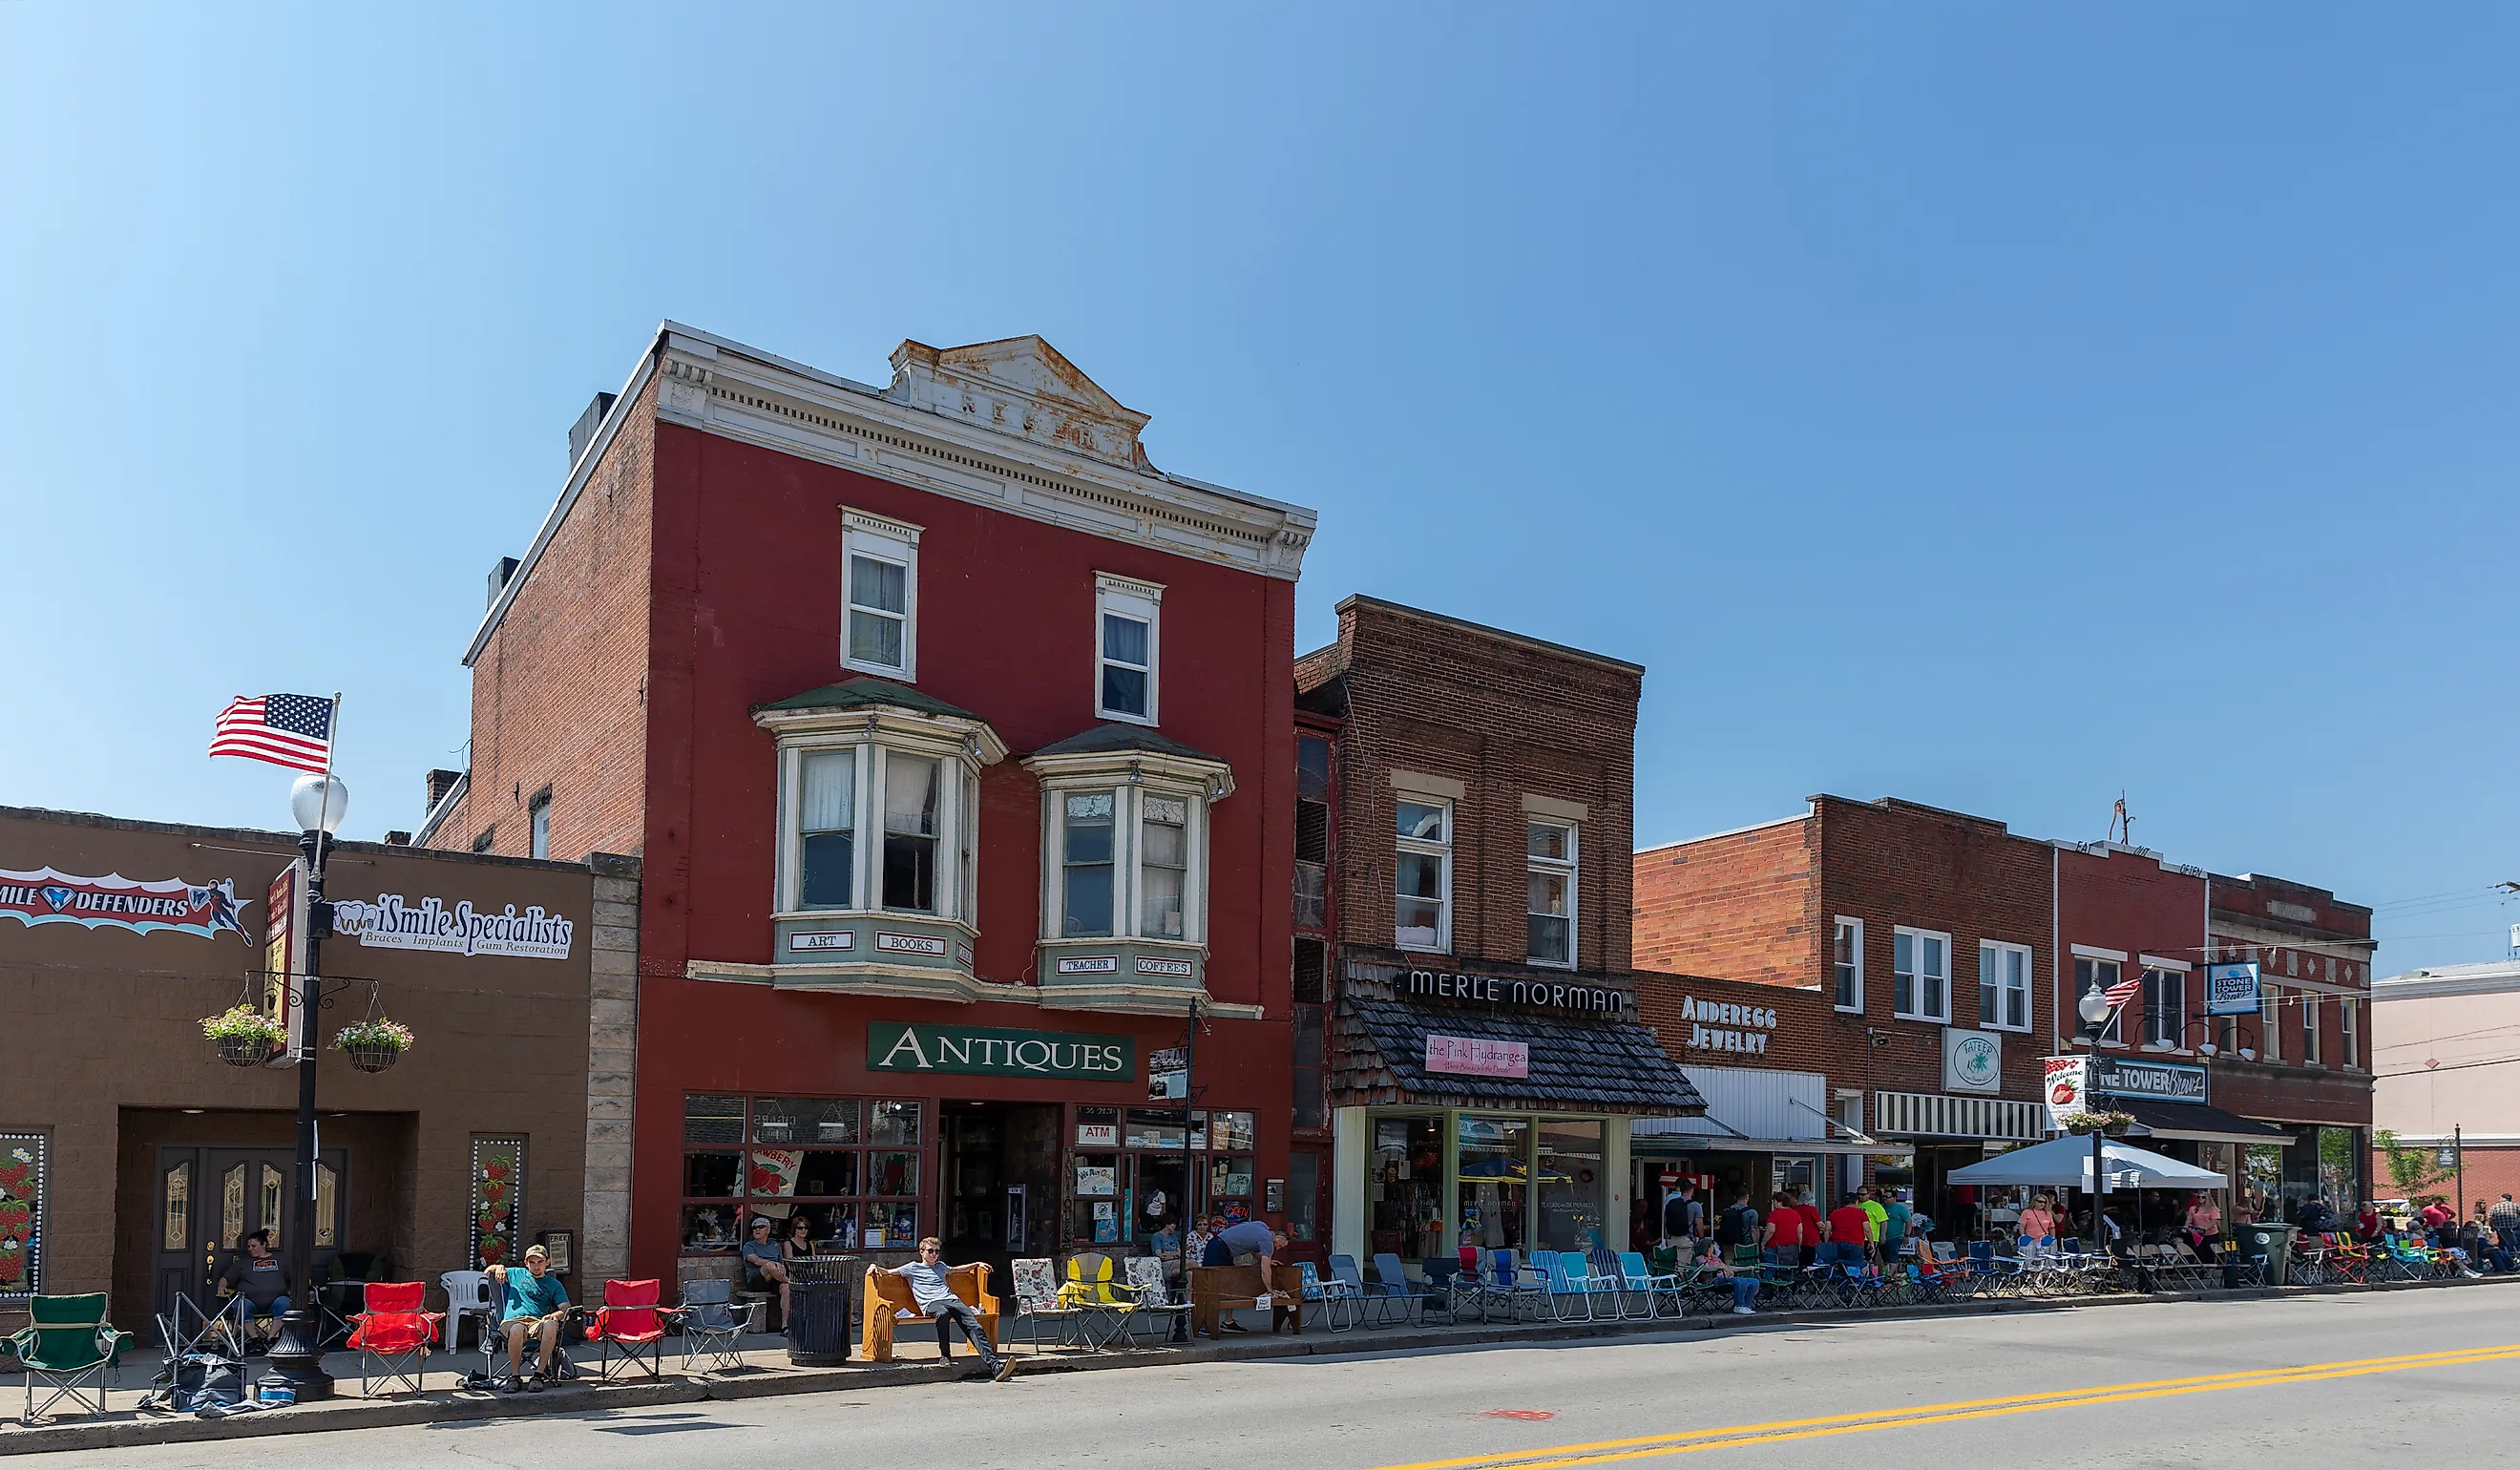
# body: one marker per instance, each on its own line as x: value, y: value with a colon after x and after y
x: 245, y: 1037
x: 2087, y: 1123
x: 374, y: 1045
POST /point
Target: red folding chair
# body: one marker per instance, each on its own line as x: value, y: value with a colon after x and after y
x: 630, y: 1319
x: 394, y: 1334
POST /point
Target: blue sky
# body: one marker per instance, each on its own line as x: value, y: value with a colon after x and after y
x: 1999, y: 407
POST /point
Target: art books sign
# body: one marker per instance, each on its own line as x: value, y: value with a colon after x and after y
x: 1477, y: 1056
x: 2231, y: 990
x: 998, y: 1051
x: 391, y: 923
x: 114, y: 902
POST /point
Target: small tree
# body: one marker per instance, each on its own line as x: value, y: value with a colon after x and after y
x: 2410, y: 1170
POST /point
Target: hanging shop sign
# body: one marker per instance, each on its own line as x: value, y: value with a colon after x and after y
x: 113, y: 902
x: 393, y: 923
x: 2231, y: 990
x: 2171, y: 1082
x: 998, y: 1051
x: 1972, y: 1060
x: 284, y: 960
x: 1477, y: 1056
x: 2067, y: 1088
x: 1721, y: 1026
x: 1515, y: 995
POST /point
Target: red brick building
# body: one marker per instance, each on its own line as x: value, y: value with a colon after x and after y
x: 2312, y: 1075
x: 1929, y: 935
x: 958, y: 741
x: 1483, y: 1052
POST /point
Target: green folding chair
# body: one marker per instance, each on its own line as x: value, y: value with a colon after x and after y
x: 68, y: 1345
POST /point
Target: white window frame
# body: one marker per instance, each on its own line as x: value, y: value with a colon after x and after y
x: 2310, y: 1048
x: 1128, y: 850
x: 881, y: 539
x: 1141, y: 602
x: 962, y: 746
x: 1443, y: 852
x: 1837, y: 931
x: 2271, y: 1023
x: 538, y: 826
x: 2157, y: 1035
x: 1565, y: 868
x: 2000, y: 950
x: 1916, y: 947
x: 2114, y: 1035
x: 2349, y: 1033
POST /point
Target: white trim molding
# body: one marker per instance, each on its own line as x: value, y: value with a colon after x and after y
x: 2162, y: 962
x: 2094, y: 952
x: 1419, y: 783
x: 1554, y: 808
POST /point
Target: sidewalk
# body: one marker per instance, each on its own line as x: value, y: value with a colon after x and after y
x: 766, y: 1370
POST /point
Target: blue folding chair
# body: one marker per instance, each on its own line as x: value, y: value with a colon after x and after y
x: 1339, y: 1305
x: 1658, y: 1291
x: 1567, y: 1283
x: 1513, y: 1284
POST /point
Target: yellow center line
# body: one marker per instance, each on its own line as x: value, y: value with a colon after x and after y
x: 1562, y: 1456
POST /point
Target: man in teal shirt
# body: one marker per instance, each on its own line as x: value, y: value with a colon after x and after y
x: 1894, y: 1225
x: 535, y: 1303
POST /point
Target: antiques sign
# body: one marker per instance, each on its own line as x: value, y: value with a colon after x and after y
x: 998, y: 1051
x: 114, y: 902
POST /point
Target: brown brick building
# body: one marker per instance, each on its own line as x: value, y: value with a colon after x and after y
x: 1483, y: 1032
x: 141, y: 1157
x: 1928, y: 934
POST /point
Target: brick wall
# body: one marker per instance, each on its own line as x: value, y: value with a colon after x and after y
x: 1740, y: 905
x: 1807, y: 1037
x: 560, y: 692
x: 1505, y: 717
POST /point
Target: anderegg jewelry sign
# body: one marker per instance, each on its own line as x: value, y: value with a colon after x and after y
x: 1520, y: 995
x: 390, y: 924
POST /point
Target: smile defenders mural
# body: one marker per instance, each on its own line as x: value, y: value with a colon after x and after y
x: 114, y: 902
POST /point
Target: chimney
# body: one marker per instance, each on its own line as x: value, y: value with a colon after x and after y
x: 440, y: 784
x: 397, y: 839
x: 582, y: 432
x: 500, y: 571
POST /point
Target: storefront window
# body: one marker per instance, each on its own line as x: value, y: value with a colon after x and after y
x: 1495, y: 1171
x: 1097, y: 1198
x: 2340, y: 1149
x: 1303, y: 1194
x: 1405, y: 1195
x: 1799, y: 1171
x: 1570, y: 1187
x: 803, y: 1161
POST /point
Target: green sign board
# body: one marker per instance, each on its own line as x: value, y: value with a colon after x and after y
x: 997, y: 1051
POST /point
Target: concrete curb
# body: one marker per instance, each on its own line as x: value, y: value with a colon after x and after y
x: 590, y: 1396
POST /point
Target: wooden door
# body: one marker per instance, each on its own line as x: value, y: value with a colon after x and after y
x: 211, y: 1199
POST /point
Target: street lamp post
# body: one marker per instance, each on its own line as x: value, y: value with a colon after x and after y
x: 2094, y: 1008
x: 319, y: 803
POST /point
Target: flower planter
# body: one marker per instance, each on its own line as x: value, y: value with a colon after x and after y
x: 371, y: 1058
x: 245, y: 1050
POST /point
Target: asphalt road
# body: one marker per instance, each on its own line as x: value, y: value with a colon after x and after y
x: 2316, y: 1380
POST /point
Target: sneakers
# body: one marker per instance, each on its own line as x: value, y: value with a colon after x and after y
x: 1745, y: 1312
x: 1230, y: 1325
x: 1006, y: 1369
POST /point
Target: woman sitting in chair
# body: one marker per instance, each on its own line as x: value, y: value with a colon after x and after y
x: 261, y: 1279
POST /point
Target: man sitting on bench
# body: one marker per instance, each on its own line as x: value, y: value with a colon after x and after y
x: 537, y: 1304
x: 1252, y: 1237
x: 932, y: 1288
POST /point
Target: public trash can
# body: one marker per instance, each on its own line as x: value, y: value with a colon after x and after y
x: 2272, y: 1241
x: 818, y: 1310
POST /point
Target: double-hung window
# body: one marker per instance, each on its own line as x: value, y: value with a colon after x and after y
x: 2091, y: 972
x: 910, y: 797
x: 2349, y: 1030
x: 2310, y: 1027
x: 1086, y: 866
x: 1163, y: 865
x: 538, y: 829
x: 880, y: 586
x: 1422, y: 908
x: 2002, y: 985
x: 826, y: 829
x: 1921, y: 974
x: 1847, y: 964
x: 2271, y: 1021
x: 1126, y: 629
x: 1548, y: 878
x: 2165, y: 1006
x: 1124, y: 859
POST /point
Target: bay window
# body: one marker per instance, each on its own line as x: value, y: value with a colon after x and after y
x: 825, y: 828
x: 1163, y: 827
x: 910, y: 803
x: 1084, y: 863
x: 1124, y: 859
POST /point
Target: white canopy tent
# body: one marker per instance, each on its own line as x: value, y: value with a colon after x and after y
x: 2067, y: 1160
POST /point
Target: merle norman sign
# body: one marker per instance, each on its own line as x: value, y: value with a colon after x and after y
x: 1506, y: 994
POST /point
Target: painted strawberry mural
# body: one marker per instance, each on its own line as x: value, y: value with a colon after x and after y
x: 17, y: 1168
x: 17, y: 1220
x: 13, y: 1264
x: 497, y: 1167
x: 493, y: 1250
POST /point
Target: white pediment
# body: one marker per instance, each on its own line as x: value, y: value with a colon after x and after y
x: 1020, y: 386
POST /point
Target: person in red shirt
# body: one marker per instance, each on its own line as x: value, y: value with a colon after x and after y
x: 1811, y: 1226
x: 1846, y: 1235
x: 1785, y: 1233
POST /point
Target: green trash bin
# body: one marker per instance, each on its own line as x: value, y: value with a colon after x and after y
x: 2272, y: 1240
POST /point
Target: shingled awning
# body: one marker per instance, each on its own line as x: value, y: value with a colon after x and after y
x: 1577, y: 1065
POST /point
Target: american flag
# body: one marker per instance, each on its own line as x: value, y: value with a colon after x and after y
x: 287, y: 729
x: 2124, y: 991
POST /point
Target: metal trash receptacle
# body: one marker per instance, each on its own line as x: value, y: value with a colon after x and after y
x: 818, y: 1310
x: 2272, y: 1240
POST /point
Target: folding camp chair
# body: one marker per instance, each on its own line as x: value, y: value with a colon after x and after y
x: 713, y: 1324
x: 1658, y: 1291
x: 1342, y: 1307
x: 1366, y: 1296
x: 1609, y: 1284
x: 68, y: 1344
x: 631, y: 1321
x: 1567, y: 1285
x: 394, y: 1334
x: 1038, y: 1300
x: 1101, y: 1313
x: 1153, y: 1299
x: 199, y: 1345
x: 1394, y: 1293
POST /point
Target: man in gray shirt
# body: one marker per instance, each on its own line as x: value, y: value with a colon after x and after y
x: 933, y: 1290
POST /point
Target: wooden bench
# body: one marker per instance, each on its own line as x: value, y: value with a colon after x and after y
x: 1218, y: 1289
x: 889, y: 1301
